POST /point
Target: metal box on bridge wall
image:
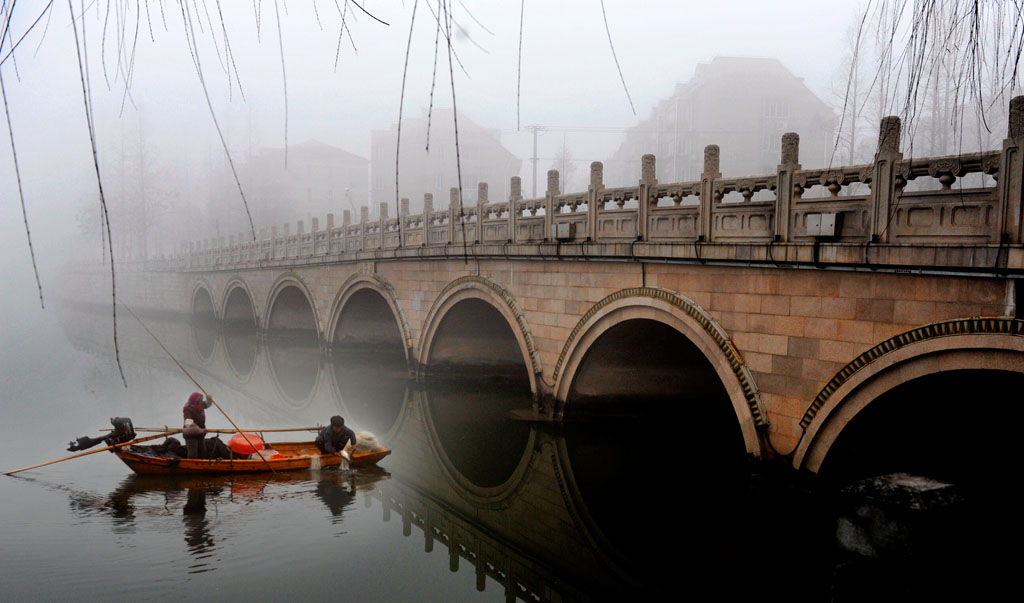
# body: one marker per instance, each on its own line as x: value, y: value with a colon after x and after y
x: 563, y: 232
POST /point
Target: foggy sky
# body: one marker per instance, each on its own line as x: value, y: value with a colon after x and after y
x: 568, y: 79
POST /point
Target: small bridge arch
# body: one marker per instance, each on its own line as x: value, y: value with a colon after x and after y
x: 280, y: 286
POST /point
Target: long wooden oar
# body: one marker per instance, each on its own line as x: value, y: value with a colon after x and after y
x: 189, y: 375
x: 75, y: 456
x: 283, y: 429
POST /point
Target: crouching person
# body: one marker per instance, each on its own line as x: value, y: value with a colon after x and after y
x: 334, y: 438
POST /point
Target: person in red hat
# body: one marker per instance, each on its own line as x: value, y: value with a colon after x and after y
x: 194, y: 430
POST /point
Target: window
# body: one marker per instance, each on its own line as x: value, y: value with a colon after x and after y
x: 775, y: 108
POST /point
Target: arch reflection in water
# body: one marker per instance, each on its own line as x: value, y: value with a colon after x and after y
x: 647, y: 412
x: 476, y: 375
x: 293, y: 345
x: 204, y: 323
x: 369, y: 363
x: 240, y: 331
x: 473, y: 429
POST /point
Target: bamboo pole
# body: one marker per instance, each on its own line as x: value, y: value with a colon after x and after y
x: 75, y: 456
x: 283, y: 429
x: 189, y: 375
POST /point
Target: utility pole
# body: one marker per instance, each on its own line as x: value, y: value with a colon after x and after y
x: 535, y: 129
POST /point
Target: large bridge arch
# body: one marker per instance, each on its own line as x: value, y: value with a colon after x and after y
x: 361, y: 282
x: 991, y: 344
x: 686, y: 317
x: 496, y: 296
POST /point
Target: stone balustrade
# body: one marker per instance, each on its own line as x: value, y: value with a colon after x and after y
x: 859, y: 205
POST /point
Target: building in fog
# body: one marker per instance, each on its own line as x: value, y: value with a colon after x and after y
x: 483, y: 159
x: 743, y: 105
x: 319, y: 179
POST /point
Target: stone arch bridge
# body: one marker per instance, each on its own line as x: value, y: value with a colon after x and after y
x: 802, y: 296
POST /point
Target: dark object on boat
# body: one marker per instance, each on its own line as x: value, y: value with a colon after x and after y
x: 123, y: 432
x: 291, y: 456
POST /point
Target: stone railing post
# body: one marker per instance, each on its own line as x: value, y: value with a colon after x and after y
x: 1011, y: 174
x: 883, y: 177
x: 364, y: 219
x: 403, y: 214
x: 788, y: 166
x: 330, y: 233
x: 514, y: 197
x: 272, y: 254
x: 313, y: 231
x: 593, y: 194
x: 481, y: 202
x: 549, y: 204
x: 346, y: 221
x: 707, y: 190
x: 453, y: 213
x: 428, y: 210
x: 645, y: 194
x: 383, y: 218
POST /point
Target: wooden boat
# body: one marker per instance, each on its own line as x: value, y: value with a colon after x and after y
x: 295, y: 456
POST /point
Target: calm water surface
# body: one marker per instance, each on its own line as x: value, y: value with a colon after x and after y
x: 471, y: 506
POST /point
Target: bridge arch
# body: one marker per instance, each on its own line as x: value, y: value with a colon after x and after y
x: 988, y: 344
x: 204, y: 319
x: 282, y: 283
x: 240, y: 320
x: 682, y: 315
x: 198, y: 289
x: 494, y: 295
x: 361, y: 282
x: 229, y: 289
x: 293, y: 339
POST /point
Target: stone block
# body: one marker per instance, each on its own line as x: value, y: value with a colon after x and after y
x: 803, y: 347
x: 802, y: 305
x: 821, y: 328
x: 778, y: 305
x: 859, y: 331
x: 875, y: 310
x: 789, y: 366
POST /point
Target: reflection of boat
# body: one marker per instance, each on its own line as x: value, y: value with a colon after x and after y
x: 291, y: 456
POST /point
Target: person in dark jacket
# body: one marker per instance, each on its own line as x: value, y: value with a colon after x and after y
x: 333, y: 438
x: 194, y: 431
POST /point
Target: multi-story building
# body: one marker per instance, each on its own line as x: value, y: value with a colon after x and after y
x: 482, y: 156
x: 319, y: 179
x: 743, y: 105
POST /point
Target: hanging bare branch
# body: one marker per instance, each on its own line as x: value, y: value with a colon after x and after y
x: 83, y: 70
x: 614, y: 56
x: 401, y: 103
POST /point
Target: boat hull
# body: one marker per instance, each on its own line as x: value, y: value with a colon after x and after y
x: 296, y: 456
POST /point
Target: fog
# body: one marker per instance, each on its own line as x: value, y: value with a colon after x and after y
x: 157, y: 141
